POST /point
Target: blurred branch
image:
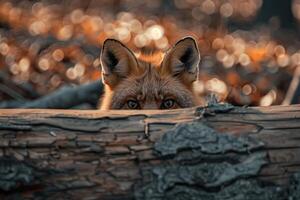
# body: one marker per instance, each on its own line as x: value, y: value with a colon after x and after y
x: 18, y: 91
x: 66, y: 97
x: 293, y: 93
x: 10, y: 92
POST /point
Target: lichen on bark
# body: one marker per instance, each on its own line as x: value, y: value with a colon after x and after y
x: 196, y: 135
x: 239, y: 190
x: 208, y: 178
x: 14, y: 173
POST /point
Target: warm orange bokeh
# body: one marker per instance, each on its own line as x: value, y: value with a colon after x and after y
x: 47, y: 45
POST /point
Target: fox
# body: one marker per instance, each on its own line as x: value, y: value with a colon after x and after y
x: 133, y: 83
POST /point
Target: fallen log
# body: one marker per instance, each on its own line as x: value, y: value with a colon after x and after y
x: 217, y: 152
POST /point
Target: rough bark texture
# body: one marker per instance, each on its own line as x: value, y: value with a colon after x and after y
x: 217, y: 152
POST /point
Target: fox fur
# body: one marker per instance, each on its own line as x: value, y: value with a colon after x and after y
x: 154, y: 81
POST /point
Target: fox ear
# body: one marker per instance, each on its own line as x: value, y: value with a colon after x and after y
x: 182, y: 60
x: 117, y: 62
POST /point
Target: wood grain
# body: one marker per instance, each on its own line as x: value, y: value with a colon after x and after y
x: 75, y: 154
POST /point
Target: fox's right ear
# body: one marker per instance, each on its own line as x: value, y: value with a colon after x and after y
x: 117, y: 62
x: 182, y: 60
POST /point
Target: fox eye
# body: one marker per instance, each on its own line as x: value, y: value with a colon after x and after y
x: 167, y: 104
x: 133, y: 104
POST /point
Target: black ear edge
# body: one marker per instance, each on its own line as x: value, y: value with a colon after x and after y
x: 191, y: 55
x: 188, y: 38
x: 110, y: 52
x: 190, y: 49
x: 111, y: 40
x: 107, y: 56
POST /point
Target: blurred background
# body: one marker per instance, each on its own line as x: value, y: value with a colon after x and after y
x: 250, y: 49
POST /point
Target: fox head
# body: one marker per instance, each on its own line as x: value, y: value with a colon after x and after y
x: 131, y: 83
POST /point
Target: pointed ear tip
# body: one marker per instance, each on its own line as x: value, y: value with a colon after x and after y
x: 188, y: 40
x: 111, y: 41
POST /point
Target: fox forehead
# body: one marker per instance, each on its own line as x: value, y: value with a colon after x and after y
x: 150, y: 57
x: 151, y: 86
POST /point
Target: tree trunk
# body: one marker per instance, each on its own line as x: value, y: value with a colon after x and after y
x: 280, y: 9
x: 217, y: 152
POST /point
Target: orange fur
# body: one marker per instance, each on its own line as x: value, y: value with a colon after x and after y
x: 154, y: 81
x: 154, y: 58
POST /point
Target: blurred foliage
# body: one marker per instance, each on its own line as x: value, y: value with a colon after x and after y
x: 45, y: 44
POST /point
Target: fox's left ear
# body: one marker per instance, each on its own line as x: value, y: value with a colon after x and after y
x: 117, y: 62
x: 182, y: 60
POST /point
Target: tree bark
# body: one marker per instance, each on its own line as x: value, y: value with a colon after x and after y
x: 217, y: 152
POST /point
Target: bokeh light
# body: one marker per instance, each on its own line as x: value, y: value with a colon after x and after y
x: 47, y: 44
